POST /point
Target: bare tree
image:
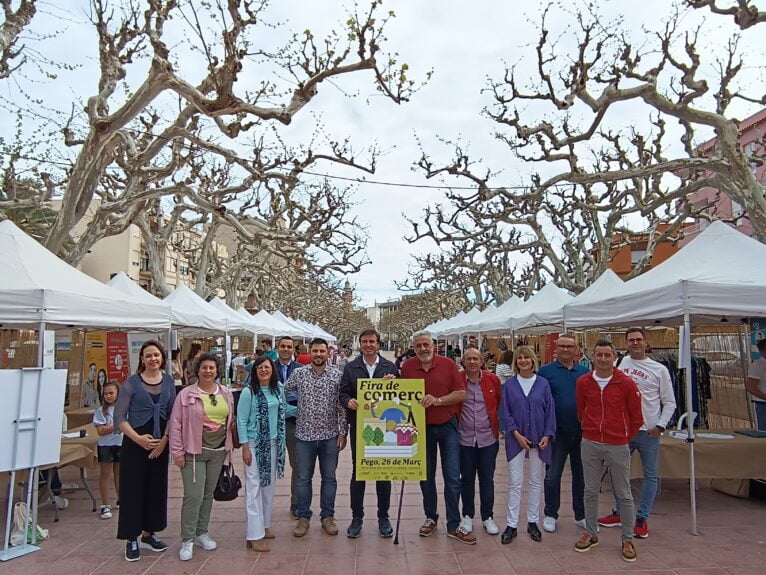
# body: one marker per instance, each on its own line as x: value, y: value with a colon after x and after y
x: 417, y: 311
x: 608, y: 177
x: 745, y: 12
x: 16, y: 20
x: 128, y: 149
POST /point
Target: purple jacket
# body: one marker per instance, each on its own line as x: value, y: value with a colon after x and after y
x: 534, y: 415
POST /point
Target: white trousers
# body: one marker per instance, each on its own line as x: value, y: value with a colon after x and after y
x: 536, y: 471
x: 259, y: 499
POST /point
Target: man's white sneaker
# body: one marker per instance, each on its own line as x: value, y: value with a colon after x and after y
x: 549, y: 524
x: 466, y: 524
x: 205, y: 542
x: 491, y: 527
x: 106, y: 512
x: 187, y: 550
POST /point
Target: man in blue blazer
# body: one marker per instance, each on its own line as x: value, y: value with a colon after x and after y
x: 368, y: 365
x: 285, y: 365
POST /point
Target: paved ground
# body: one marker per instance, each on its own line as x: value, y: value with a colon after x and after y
x: 733, y: 540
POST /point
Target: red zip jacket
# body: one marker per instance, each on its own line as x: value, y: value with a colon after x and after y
x: 611, y: 416
x: 492, y: 392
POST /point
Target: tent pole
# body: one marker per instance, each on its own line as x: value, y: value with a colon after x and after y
x: 687, y: 367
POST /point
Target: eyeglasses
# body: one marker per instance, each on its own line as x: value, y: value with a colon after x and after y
x: 213, y: 400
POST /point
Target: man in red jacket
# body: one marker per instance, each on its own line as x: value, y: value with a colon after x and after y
x: 478, y: 429
x: 609, y: 410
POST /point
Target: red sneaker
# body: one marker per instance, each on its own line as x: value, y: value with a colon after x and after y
x: 641, y: 529
x: 611, y: 520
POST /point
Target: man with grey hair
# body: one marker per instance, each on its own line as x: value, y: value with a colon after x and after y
x: 444, y: 391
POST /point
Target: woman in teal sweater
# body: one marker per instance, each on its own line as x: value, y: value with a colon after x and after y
x: 261, y: 416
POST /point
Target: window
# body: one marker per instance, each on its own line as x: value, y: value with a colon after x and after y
x: 636, y: 255
x: 144, y: 262
x: 750, y: 150
x: 737, y: 210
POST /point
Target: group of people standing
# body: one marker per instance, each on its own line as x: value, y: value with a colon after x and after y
x: 595, y: 418
x: 303, y: 414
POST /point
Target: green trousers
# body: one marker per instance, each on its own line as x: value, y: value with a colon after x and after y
x: 199, y: 480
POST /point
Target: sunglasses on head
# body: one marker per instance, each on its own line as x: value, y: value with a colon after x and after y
x: 213, y: 400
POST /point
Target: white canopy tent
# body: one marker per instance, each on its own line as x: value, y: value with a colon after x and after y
x: 299, y: 330
x: 39, y: 288
x: 234, y: 322
x: 191, y: 310
x: 498, y: 320
x: 458, y: 326
x: 475, y: 325
x: 264, y: 323
x: 549, y: 299
x: 715, y: 277
x: 280, y: 326
x: 608, y: 283
x: 121, y: 282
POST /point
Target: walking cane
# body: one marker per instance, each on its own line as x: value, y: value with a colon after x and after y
x: 399, y: 513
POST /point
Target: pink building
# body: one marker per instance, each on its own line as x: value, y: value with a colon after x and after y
x: 751, y: 130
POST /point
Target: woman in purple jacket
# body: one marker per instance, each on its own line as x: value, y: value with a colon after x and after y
x: 530, y: 424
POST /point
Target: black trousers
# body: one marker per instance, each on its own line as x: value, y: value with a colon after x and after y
x: 143, y: 488
x: 383, y: 488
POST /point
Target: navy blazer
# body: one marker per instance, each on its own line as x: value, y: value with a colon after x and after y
x: 357, y: 369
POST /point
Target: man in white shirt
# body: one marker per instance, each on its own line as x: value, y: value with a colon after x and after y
x: 756, y: 385
x: 657, y: 406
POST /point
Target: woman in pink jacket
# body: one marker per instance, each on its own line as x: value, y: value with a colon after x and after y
x: 199, y: 442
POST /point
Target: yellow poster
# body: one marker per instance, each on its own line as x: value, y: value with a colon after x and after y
x: 94, y: 368
x: 391, y: 430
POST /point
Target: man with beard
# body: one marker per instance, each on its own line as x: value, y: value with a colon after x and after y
x: 444, y: 391
x: 320, y: 434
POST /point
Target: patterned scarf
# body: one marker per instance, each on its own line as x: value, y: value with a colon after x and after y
x: 263, y: 441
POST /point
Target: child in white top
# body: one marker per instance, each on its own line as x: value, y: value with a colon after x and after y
x: 109, y: 443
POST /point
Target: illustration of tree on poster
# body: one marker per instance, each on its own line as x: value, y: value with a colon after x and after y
x: 391, y: 430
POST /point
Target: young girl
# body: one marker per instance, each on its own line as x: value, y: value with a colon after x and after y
x: 109, y: 442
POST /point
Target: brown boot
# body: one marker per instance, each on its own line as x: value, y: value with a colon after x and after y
x: 301, y: 527
x: 328, y: 524
x: 269, y: 534
x: 258, y: 545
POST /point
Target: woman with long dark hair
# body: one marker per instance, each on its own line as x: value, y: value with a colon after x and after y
x: 199, y: 442
x: 142, y: 412
x: 261, y: 425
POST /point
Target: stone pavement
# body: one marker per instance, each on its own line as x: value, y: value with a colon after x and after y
x: 733, y: 539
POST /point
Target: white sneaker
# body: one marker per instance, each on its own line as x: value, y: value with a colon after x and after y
x: 187, y: 551
x: 491, y: 527
x: 106, y: 512
x: 61, y: 502
x: 205, y: 542
x: 549, y: 524
x: 466, y: 524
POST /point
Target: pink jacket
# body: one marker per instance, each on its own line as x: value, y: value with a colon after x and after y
x: 185, y: 435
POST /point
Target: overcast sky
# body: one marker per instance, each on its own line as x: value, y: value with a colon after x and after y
x: 464, y: 43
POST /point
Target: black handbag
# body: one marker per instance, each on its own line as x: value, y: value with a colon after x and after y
x: 228, y: 486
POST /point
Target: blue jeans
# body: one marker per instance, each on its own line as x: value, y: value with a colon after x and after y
x: 563, y: 446
x: 479, y: 460
x: 445, y: 437
x: 649, y: 449
x: 760, y: 415
x: 306, y: 453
